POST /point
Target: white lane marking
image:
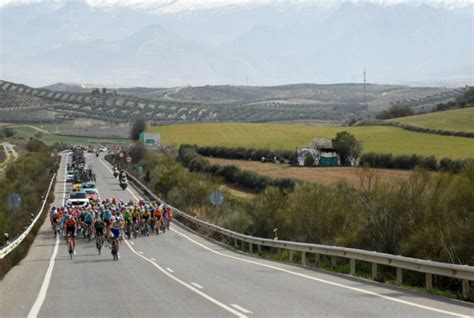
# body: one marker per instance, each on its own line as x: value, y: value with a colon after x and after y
x: 242, y: 309
x: 140, y: 252
x: 169, y: 270
x: 132, y: 243
x: 196, y: 285
x: 192, y: 288
x: 128, y: 188
x: 153, y: 259
x: 44, y: 287
x: 47, y: 277
x: 324, y: 281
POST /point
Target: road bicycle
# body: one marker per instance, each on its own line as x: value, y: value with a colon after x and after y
x: 70, y: 245
x: 128, y: 230
x: 115, y: 248
x: 56, y: 229
x: 99, y: 242
x: 152, y: 225
x: 145, y: 228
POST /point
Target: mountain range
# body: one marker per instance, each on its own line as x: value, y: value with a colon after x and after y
x: 177, y: 43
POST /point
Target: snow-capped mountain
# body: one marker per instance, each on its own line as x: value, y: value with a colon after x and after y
x: 172, y: 43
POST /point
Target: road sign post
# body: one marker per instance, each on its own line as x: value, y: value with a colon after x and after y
x: 216, y: 198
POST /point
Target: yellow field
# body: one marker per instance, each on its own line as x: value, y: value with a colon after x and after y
x: 382, y: 139
x: 454, y: 120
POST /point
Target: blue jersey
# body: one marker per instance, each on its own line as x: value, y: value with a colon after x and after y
x: 107, y: 216
x: 88, y: 218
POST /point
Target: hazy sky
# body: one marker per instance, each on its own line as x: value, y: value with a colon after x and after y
x: 197, y: 4
x: 180, y: 42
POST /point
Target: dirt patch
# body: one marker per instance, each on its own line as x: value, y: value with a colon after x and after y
x: 321, y: 175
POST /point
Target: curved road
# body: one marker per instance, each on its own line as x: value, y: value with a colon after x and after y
x: 180, y: 274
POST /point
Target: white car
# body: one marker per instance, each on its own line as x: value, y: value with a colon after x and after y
x: 78, y: 199
x: 69, y: 177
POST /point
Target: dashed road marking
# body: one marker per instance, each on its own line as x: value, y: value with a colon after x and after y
x: 189, y: 286
x: 140, y: 252
x: 360, y: 290
x: 132, y: 243
x: 169, y: 270
x: 196, y: 285
x: 153, y: 259
x: 242, y: 309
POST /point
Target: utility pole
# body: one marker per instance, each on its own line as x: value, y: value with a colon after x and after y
x: 365, y: 84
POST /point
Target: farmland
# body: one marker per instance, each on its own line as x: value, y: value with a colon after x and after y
x: 49, y: 139
x: 381, y: 139
x: 454, y: 120
x: 326, y: 176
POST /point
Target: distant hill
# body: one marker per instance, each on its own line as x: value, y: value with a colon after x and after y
x: 349, y: 96
x: 299, y: 102
x: 452, y: 120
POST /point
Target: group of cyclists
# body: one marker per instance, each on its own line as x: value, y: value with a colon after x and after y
x: 109, y: 220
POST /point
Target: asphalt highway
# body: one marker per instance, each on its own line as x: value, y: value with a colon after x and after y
x: 181, y: 274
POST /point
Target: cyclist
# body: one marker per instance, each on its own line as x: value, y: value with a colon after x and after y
x: 128, y: 219
x: 99, y: 229
x: 145, y: 216
x: 158, y: 215
x: 70, y: 228
x: 117, y: 225
x: 55, y: 219
x: 107, y: 217
x: 88, y: 219
x: 167, y: 216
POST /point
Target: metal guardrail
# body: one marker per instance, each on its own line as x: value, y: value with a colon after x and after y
x: 10, y: 247
x: 429, y: 268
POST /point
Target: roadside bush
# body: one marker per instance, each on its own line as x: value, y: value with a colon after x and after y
x: 407, y: 162
x: 29, y: 176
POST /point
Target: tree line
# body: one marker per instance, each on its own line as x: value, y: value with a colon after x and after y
x: 191, y: 159
x: 410, y: 162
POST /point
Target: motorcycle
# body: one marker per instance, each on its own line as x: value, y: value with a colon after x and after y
x: 116, y: 173
x: 124, y: 185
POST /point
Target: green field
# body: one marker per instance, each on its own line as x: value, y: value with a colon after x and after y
x: 382, y: 139
x: 49, y: 139
x: 454, y: 120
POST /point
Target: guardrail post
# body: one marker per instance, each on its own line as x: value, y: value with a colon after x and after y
x: 259, y: 248
x: 374, y: 270
x: 279, y: 251
x: 290, y: 255
x: 399, y: 275
x: 465, y: 288
x: 428, y: 281
x: 352, y: 262
x: 235, y: 243
x: 303, y: 258
x: 333, y: 261
x: 250, y: 248
x: 317, y: 259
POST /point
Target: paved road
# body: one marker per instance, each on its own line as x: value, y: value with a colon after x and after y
x: 180, y: 274
x: 10, y: 153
